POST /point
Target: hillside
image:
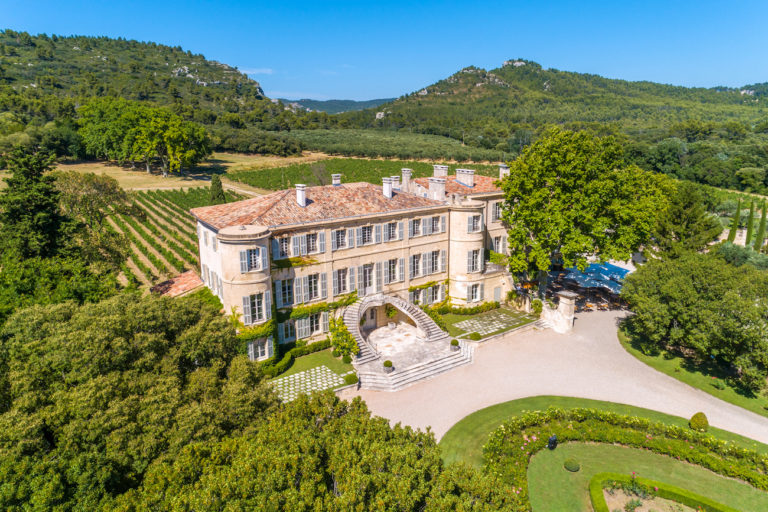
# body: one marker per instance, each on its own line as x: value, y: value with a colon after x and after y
x: 335, y: 106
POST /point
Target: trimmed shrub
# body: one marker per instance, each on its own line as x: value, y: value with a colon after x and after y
x: 474, y: 310
x: 272, y: 367
x: 454, y: 342
x: 350, y: 379
x: 699, y: 422
x: 475, y: 336
x: 537, y: 306
x: 336, y: 353
x: 347, y: 358
x: 387, y: 364
x: 571, y: 465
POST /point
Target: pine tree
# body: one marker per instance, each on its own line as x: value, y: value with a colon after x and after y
x: 217, y: 191
x: 760, y: 231
x: 735, y: 223
x: 750, y: 223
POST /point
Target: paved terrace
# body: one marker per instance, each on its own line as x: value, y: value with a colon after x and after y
x: 588, y: 363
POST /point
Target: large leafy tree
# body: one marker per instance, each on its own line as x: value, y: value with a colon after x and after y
x: 91, y: 396
x: 571, y: 194
x: 685, y: 225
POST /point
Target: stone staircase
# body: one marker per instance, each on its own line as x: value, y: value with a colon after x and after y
x: 351, y: 318
x: 400, y: 379
x: 423, y: 321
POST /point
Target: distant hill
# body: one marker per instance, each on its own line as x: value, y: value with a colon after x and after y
x: 335, y: 106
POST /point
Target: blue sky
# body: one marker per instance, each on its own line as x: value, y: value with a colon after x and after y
x: 364, y: 50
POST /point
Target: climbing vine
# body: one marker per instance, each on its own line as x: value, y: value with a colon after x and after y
x: 341, y: 338
x: 304, y: 311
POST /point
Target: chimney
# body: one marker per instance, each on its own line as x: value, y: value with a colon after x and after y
x: 336, y: 179
x: 395, y: 182
x: 440, y: 171
x: 387, y: 187
x: 466, y: 177
x: 503, y: 171
x: 437, y: 188
x: 406, y: 185
x: 301, y: 195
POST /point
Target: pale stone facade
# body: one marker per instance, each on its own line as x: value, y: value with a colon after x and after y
x: 315, y: 244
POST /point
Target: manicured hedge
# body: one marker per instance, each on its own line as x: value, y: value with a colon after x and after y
x: 474, y: 310
x: 272, y: 369
x: 510, y: 447
x: 659, y: 489
x: 435, y: 316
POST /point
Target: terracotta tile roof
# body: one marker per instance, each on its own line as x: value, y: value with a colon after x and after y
x: 179, y: 285
x: 483, y: 185
x: 323, y: 203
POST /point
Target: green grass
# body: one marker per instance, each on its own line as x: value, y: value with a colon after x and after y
x: 551, y: 487
x: 465, y: 440
x: 322, y: 358
x: 451, y: 319
x: 698, y: 376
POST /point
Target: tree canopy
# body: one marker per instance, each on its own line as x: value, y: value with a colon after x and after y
x: 571, y: 194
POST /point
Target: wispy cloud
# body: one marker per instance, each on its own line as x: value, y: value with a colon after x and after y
x: 258, y: 71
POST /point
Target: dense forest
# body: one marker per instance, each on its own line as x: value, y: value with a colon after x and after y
x: 335, y: 106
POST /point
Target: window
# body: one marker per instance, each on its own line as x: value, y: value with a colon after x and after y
x: 435, y: 224
x: 390, y: 231
x: 257, y: 350
x: 415, y: 265
x: 311, y: 243
x: 257, y: 307
x: 373, y: 314
x: 312, y: 286
x: 341, y: 281
x: 286, y: 288
x: 254, y: 259
x: 473, y: 261
x: 314, y: 323
x: 415, y: 227
x: 366, y: 278
x: 340, y: 236
x: 496, y: 215
x: 289, y: 330
x: 432, y: 294
x: 284, y: 247
x: 205, y: 238
x: 390, y: 274
x: 473, y: 294
x: 434, y: 262
x: 475, y: 224
x: 367, y: 234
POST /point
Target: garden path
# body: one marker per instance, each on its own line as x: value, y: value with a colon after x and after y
x: 587, y: 363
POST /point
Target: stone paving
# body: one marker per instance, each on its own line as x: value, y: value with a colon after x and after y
x: 489, y: 322
x: 318, y: 378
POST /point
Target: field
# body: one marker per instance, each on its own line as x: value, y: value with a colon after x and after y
x: 163, y: 241
x: 351, y: 170
x: 392, y: 144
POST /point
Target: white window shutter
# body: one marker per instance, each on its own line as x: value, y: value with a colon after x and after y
x: 469, y: 293
x: 278, y: 294
x: 323, y: 285
x: 267, y: 305
x: 324, y: 321
x: 351, y: 237
x: 411, y: 275
x: 424, y: 224
x: 359, y: 236
x: 247, y: 310
x: 401, y: 268
x: 252, y: 351
x: 386, y: 233
x: 298, y: 292
x: 377, y: 233
x: 400, y: 230
x: 335, y: 283
x: 275, y: 249
x: 302, y: 328
x: 351, y: 272
x: 264, y: 260
x: 442, y: 260
x: 442, y: 224
x: 442, y: 292
x: 295, y: 246
x: 482, y: 223
x: 469, y: 224
x: 386, y: 272
x: 243, y: 261
x: 410, y: 297
x: 305, y: 287
x: 378, y: 277
x: 321, y: 241
x: 410, y: 228
x: 481, y: 260
x: 334, y: 245
x: 303, y: 242
x: 482, y: 291
x: 469, y: 262
x: 503, y: 245
x: 280, y: 333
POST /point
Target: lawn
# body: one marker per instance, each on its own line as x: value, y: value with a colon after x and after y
x: 551, y: 487
x: 510, y: 318
x: 321, y: 358
x: 465, y: 440
x: 702, y: 377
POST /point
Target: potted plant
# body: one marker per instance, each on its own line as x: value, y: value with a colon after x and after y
x: 454, y: 345
x: 388, y: 368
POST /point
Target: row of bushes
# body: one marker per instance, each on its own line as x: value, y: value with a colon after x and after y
x: 141, y: 245
x: 435, y: 316
x: 184, y: 234
x: 510, y: 447
x: 273, y: 367
x: 474, y: 310
x: 160, y: 233
x: 650, y: 487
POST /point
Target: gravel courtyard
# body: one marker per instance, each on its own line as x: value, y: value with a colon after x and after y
x: 588, y: 363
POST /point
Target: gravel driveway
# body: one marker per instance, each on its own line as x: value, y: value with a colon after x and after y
x: 588, y: 363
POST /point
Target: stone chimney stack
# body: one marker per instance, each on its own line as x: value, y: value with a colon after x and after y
x: 336, y: 179
x: 437, y: 188
x: 440, y: 171
x: 406, y: 185
x: 387, y: 187
x: 395, y: 182
x: 301, y: 195
x: 466, y: 177
x: 503, y: 171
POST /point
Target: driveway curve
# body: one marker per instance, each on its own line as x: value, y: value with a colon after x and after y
x: 586, y: 363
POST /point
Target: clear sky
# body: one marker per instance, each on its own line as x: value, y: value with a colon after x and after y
x: 364, y: 50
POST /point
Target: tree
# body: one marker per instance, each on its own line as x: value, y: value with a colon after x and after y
x: 750, y: 223
x: 685, y: 225
x: 30, y: 221
x: 760, y: 238
x: 571, y: 194
x: 96, y: 394
x: 735, y: 223
x: 217, y: 191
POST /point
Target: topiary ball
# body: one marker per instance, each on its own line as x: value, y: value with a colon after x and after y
x: 454, y: 343
x: 347, y: 358
x: 387, y: 364
x: 475, y: 336
x: 571, y: 465
x: 350, y: 378
x: 699, y: 422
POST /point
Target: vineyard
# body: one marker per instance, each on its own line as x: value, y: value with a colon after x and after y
x: 163, y: 238
x: 351, y: 170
